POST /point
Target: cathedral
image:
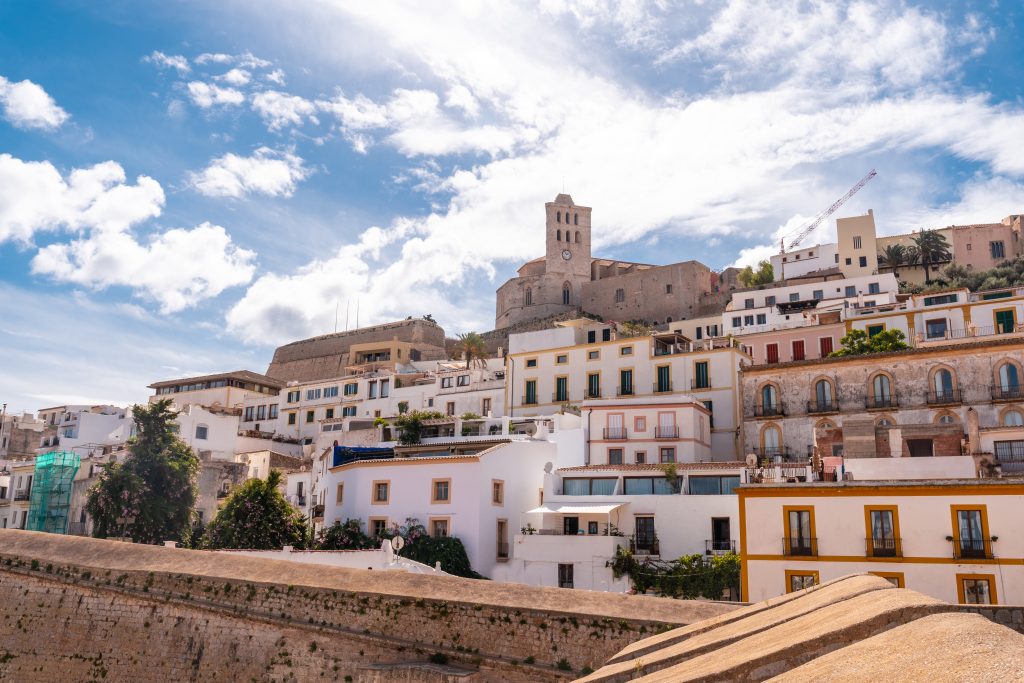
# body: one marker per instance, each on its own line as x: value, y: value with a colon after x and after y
x: 569, y: 278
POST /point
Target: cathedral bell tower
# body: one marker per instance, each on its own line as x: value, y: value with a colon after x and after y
x: 568, y: 239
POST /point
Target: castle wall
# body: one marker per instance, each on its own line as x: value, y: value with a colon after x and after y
x: 646, y: 294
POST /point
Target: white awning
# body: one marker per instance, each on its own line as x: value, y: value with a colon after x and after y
x: 577, y: 508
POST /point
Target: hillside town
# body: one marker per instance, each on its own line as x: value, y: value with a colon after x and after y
x: 850, y: 407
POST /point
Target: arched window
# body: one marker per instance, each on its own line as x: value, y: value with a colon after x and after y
x: 942, y: 382
x: 575, y: 219
x: 566, y: 294
x: 884, y: 422
x: 529, y: 296
x: 769, y: 400
x: 1013, y: 418
x: 202, y: 432
x: 823, y: 395
x: 1009, y: 378
x: 881, y: 392
x: 558, y: 235
x: 946, y: 419
x: 577, y: 237
x: 558, y: 216
x: 771, y: 441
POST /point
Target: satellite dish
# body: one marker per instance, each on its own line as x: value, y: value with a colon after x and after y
x: 547, y: 467
x: 397, y: 543
x: 751, y: 460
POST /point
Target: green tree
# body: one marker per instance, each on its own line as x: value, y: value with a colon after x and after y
x: 472, y: 348
x: 933, y: 248
x: 764, y: 275
x: 345, y: 536
x: 411, y: 425
x: 858, y: 343
x: 257, y: 517
x: 151, y: 494
x: 421, y: 547
x: 893, y: 256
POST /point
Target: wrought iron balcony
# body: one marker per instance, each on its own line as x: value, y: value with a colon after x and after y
x: 973, y: 548
x: 945, y: 397
x: 625, y: 391
x: 318, y: 512
x: 772, y: 452
x: 23, y: 494
x: 719, y: 547
x: 700, y: 383
x: 1013, y: 392
x: 800, y: 546
x: 769, y: 410
x: 884, y: 547
x: 881, y: 402
x: 819, y: 407
x: 671, y: 432
x: 529, y: 400
x: 560, y: 397
x: 615, y: 433
x: 593, y: 394
x: 662, y: 387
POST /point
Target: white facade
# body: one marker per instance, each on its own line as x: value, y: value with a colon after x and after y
x: 801, y: 262
x: 956, y: 540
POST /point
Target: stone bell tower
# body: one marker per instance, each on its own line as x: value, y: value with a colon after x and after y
x: 568, y: 239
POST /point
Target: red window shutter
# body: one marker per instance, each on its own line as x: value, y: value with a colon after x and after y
x: 826, y: 346
x: 798, y: 349
x: 773, y: 353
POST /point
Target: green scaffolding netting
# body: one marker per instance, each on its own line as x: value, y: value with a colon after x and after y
x: 50, y: 501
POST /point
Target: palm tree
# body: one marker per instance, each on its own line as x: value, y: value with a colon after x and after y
x: 893, y: 256
x: 933, y: 248
x: 473, y: 348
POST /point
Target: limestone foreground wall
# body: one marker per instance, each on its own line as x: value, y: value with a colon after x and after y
x: 207, y: 614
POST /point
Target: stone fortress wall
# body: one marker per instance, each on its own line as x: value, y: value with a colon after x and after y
x: 87, y: 609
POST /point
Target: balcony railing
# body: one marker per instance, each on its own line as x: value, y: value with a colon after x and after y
x: 644, y: 544
x: 973, y: 548
x: 666, y: 432
x: 818, y: 407
x: 769, y: 410
x: 560, y: 397
x: 24, y: 494
x: 625, y: 391
x: 945, y: 397
x: 884, y: 547
x: 593, y: 394
x: 502, y: 551
x: 1007, y: 393
x: 529, y: 400
x: 772, y: 452
x: 615, y: 433
x: 800, y: 547
x: 719, y: 547
x: 318, y: 512
x: 662, y: 387
x: 700, y: 383
x: 881, y: 402
x: 1010, y: 456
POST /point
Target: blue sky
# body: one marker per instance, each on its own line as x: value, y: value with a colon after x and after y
x: 183, y: 187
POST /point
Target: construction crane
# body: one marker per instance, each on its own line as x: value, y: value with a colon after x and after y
x: 805, y: 230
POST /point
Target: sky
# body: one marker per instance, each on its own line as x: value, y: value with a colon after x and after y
x: 185, y: 185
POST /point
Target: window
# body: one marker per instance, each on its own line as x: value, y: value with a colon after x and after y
x: 566, y: 295
x: 737, y: 321
x: 968, y: 246
x: 565, y: 576
x: 620, y: 295
x: 588, y: 487
x: 748, y: 320
x: 970, y: 532
x: 712, y: 486
x: 530, y: 392
x: 882, y: 391
x: 976, y: 589
x: 748, y: 303
x: 272, y: 412
x: 329, y: 414
x: 463, y: 380
x: 291, y: 418
x: 561, y: 389
x: 876, y: 329
x: 825, y: 346
x: 625, y: 350
x: 449, y: 408
x: 561, y: 359
x: 313, y: 394
x: 339, y: 494
x: 614, y: 456
x: 649, y: 486
x: 202, y: 432
x: 942, y: 382
x: 351, y: 389
x: 823, y: 395
x: 1009, y: 379
x: 771, y: 352
x: 330, y: 392
x: 895, y: 578
x: 485, y: 407
x: 856, y: 242
x: 873, y: 288
x: 372, y: 388
x: 667, y: 454
x: 381, y: 492
x: 797, y: 580
x: 997, y: 249
x: 798, y: 349
x: 440, y: 491
x: 606, y: 334
x: 668, y: 289
x: 701, y: 378
x: 817, y: 295
x: 594, y: 385
x: 378, y: 526
x: 249, y: 414
x: 762, y: 319
x: 310, y: 415
x: 529, y: 296
x: 664, y: 379
x: 261, y: 412
x: 293, y: 396
x: 851, y: 290
x: 882, y: 530
x: 501, y: 534
x: 385, y: 388
x: 530, y: 363
x: 497, y: 492
x: 711, y: 417
x: 348, y: 411
x: 794, y: 296
x: 439, y: 528
x: 799, y: 526
x: 640, y: 457
x: 591, y: 336
x: 1004, y: 321
x: 593, y: 355
x: 935, y: 329
x: 446, y: 382
x: 769, y: 301
x: 639, y: 424
x: 625, y: 382
x: 863, y: 261
x: 1011, y: 418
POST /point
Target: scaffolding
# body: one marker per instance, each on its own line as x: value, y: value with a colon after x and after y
x: 50, y: 501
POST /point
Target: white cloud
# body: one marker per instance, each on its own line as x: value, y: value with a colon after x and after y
x: 26, y: 105
x: 460, y: 97
x: 175, y: 268
x: 164, y: 61
x: 34, y: 196
x: 276, y: 76
x: 207, y: 95
x: 214, y: 58
x: 278, y: 109
x: 236, y: 77
x: 265, y: 172
x: 246, y: 60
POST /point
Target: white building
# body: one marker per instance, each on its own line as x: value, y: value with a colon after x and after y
x: 800, y: 262
x: 958, y: 540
